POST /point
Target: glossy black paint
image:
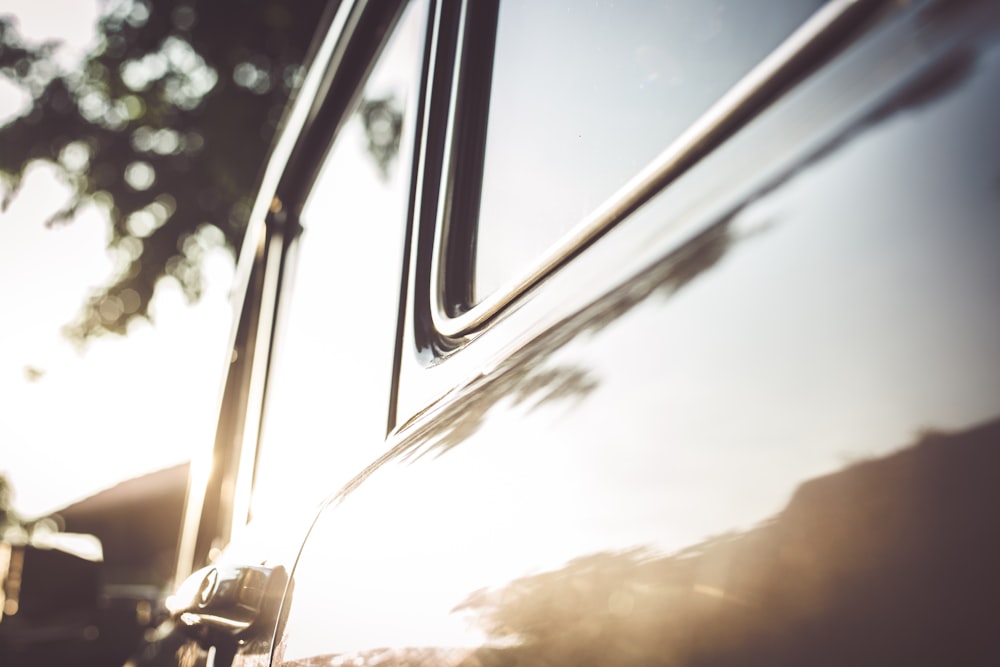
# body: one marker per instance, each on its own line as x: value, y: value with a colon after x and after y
x: 772, y: 446
x: 756, y: 423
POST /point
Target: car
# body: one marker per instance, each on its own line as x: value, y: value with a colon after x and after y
x: 617, y: 333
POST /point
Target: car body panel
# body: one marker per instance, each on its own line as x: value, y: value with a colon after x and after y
x: 772, y: 445
x: 757, y: 421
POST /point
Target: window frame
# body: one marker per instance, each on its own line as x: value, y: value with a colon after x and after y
x: 352, y: 34
x: 334, y: 108
x: 452, y: 316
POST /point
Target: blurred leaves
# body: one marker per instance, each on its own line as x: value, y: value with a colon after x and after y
x: 165, y: 126
x: 8, y: 516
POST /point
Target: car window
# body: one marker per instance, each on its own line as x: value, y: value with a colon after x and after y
x: 586, y: 94
x: 329, y: 387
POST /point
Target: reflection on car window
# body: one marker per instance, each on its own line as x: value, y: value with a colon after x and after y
x: 586, y: 94
x: 329, y: 386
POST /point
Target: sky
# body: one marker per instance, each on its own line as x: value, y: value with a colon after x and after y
x: 74, y: 421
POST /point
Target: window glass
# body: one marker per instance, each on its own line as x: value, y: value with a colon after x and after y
x: 328, y: 392
x: 586, y: 94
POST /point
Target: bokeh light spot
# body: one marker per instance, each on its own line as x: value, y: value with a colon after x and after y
x: 110, y: 308
x: 141, y: 223
x: 140, y: 175
x: 132, y: 247
x: 135, y: 108
x: 253, y: 77
x: 138, y: 15
x: 184, y: 17
x: 75, y: 156
x: 130, y: 300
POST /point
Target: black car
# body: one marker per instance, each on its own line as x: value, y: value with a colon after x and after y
x: 615, y: 333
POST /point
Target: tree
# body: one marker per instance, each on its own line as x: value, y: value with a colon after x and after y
x: 166, y: 126
x: 8, y: 517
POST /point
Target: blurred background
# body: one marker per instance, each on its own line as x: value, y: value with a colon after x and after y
x: 132, y: 137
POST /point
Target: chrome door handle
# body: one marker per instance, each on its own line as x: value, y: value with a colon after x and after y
x: 224, y: 601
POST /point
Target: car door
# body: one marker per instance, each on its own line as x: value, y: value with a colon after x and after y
x: 322, y: 262
x: 748, y: 414
x: 704, y: 383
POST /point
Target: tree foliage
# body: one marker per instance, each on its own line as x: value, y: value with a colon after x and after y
x: 165, y: 126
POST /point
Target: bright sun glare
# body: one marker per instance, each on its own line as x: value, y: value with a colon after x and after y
x: 72, y: 422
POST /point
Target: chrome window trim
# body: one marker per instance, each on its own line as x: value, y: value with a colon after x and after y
x: 284, y: 163
x: 303, y: 110
x: 442, y: 322
x: 247, y: 452
x: 419, y: 173
x: 766, y: 78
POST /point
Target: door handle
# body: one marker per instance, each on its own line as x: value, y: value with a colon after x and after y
x: 224, y: 601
